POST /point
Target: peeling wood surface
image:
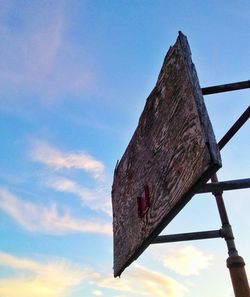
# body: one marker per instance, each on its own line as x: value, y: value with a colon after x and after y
x: 173, y: 152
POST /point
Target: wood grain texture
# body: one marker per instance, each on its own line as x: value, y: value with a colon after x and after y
x: 173, y: 151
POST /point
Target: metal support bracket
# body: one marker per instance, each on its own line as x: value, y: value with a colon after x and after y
x: 226, y: 88
x: 219, y: 187
x: 235, y: 128
x: 189, y: 236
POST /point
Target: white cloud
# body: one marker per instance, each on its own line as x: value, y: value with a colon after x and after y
x: 39, y: 279
x: 187, y: 260
x: 53, y: 157
x: 97, y: 293
x: 140, y: 280
x: 47, y: 219
x: 122, y: 285
x: 98, y: 199
x: 57, y: 278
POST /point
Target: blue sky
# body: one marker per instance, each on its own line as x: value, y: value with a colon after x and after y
x: 74, y: 77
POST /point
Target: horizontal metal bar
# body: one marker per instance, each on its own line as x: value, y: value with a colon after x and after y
x: 225, y: 186
x: 188, y: 236
x: 235, y: 128
x: 226, y: 88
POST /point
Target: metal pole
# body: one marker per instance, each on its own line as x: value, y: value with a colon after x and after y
x: 226, y: 88
x: 235, y: 128
x: 225, y: 186
x: 188, y: 236
x: 235, y: 263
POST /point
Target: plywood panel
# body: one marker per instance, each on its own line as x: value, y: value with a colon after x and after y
x: 172, y: 152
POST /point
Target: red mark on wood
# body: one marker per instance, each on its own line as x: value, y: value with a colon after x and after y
x: 143, y: 202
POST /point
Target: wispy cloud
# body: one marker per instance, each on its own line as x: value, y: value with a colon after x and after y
x: 56, y: 159
x: 56, y: 278
x: 51, y: 279
x: 148, y: 283
x: 181, y: 260
x: 47, y: 219
x: 97, y: 199
x: 36, y: 53
x: 97, y: 293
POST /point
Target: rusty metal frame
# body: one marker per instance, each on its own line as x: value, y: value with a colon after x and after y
x: 235, y: 128
x: 225, y: 186
x: 216, y: 188
x: 235, y: 263
x: 226, y: 88
x: 188, y: 236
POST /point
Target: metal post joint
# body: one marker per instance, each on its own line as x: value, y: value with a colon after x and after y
x: 227, y: 232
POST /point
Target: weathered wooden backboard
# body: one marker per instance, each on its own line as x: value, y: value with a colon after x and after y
x: 172, y: 152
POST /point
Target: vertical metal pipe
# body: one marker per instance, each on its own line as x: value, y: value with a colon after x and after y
x: 235, y: 263
x: 238, y: 275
